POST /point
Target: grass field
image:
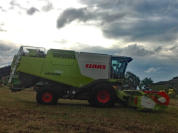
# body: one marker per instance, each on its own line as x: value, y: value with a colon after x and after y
x: 19, y: 113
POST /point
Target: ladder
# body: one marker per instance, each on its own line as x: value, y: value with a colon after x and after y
x: 16, y: 62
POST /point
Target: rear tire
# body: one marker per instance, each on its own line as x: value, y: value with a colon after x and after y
x: 46, y: 97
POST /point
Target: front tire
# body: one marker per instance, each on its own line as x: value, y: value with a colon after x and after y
x: 102, y: 96
x: 46, y: 97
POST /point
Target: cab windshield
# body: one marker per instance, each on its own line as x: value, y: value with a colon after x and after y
x: 118, y: 66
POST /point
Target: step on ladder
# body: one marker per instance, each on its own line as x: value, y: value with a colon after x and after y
x: 19, y: 54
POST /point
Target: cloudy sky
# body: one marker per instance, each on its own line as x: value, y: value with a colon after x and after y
x: 146, y: 30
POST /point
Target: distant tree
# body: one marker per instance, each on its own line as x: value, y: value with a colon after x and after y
x: 132, y: 80
x: 146, y: 83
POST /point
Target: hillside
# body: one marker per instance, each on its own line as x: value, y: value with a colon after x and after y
x: 173, y: 83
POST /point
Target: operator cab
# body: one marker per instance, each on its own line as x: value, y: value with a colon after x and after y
x: 118, y: 66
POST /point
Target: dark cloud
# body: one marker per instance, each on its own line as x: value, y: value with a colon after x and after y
x: 157, y: 7
x: 29, y: 11
x: 135, y: 50
x: 146, y: 20
x: 131, y: 50
x: 6, y: 53
x: 158, y: 49
x: 32, y: 10
x: 72, y: 14
x: 85, y: 14
x: 150, y: 30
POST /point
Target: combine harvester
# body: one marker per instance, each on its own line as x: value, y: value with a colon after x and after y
x: 98, y: 78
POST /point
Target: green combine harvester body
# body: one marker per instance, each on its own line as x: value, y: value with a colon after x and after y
x: 98, y: 78
x: 56, y: 68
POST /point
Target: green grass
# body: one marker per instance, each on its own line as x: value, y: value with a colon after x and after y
x: 19, y: 113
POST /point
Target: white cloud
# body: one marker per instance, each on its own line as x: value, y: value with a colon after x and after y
x: 151, y: 70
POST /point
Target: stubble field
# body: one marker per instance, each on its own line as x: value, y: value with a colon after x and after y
x: 19, y: 113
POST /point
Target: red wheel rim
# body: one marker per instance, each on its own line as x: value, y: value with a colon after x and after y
x: 47, y: 97
x: 103, y: 96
